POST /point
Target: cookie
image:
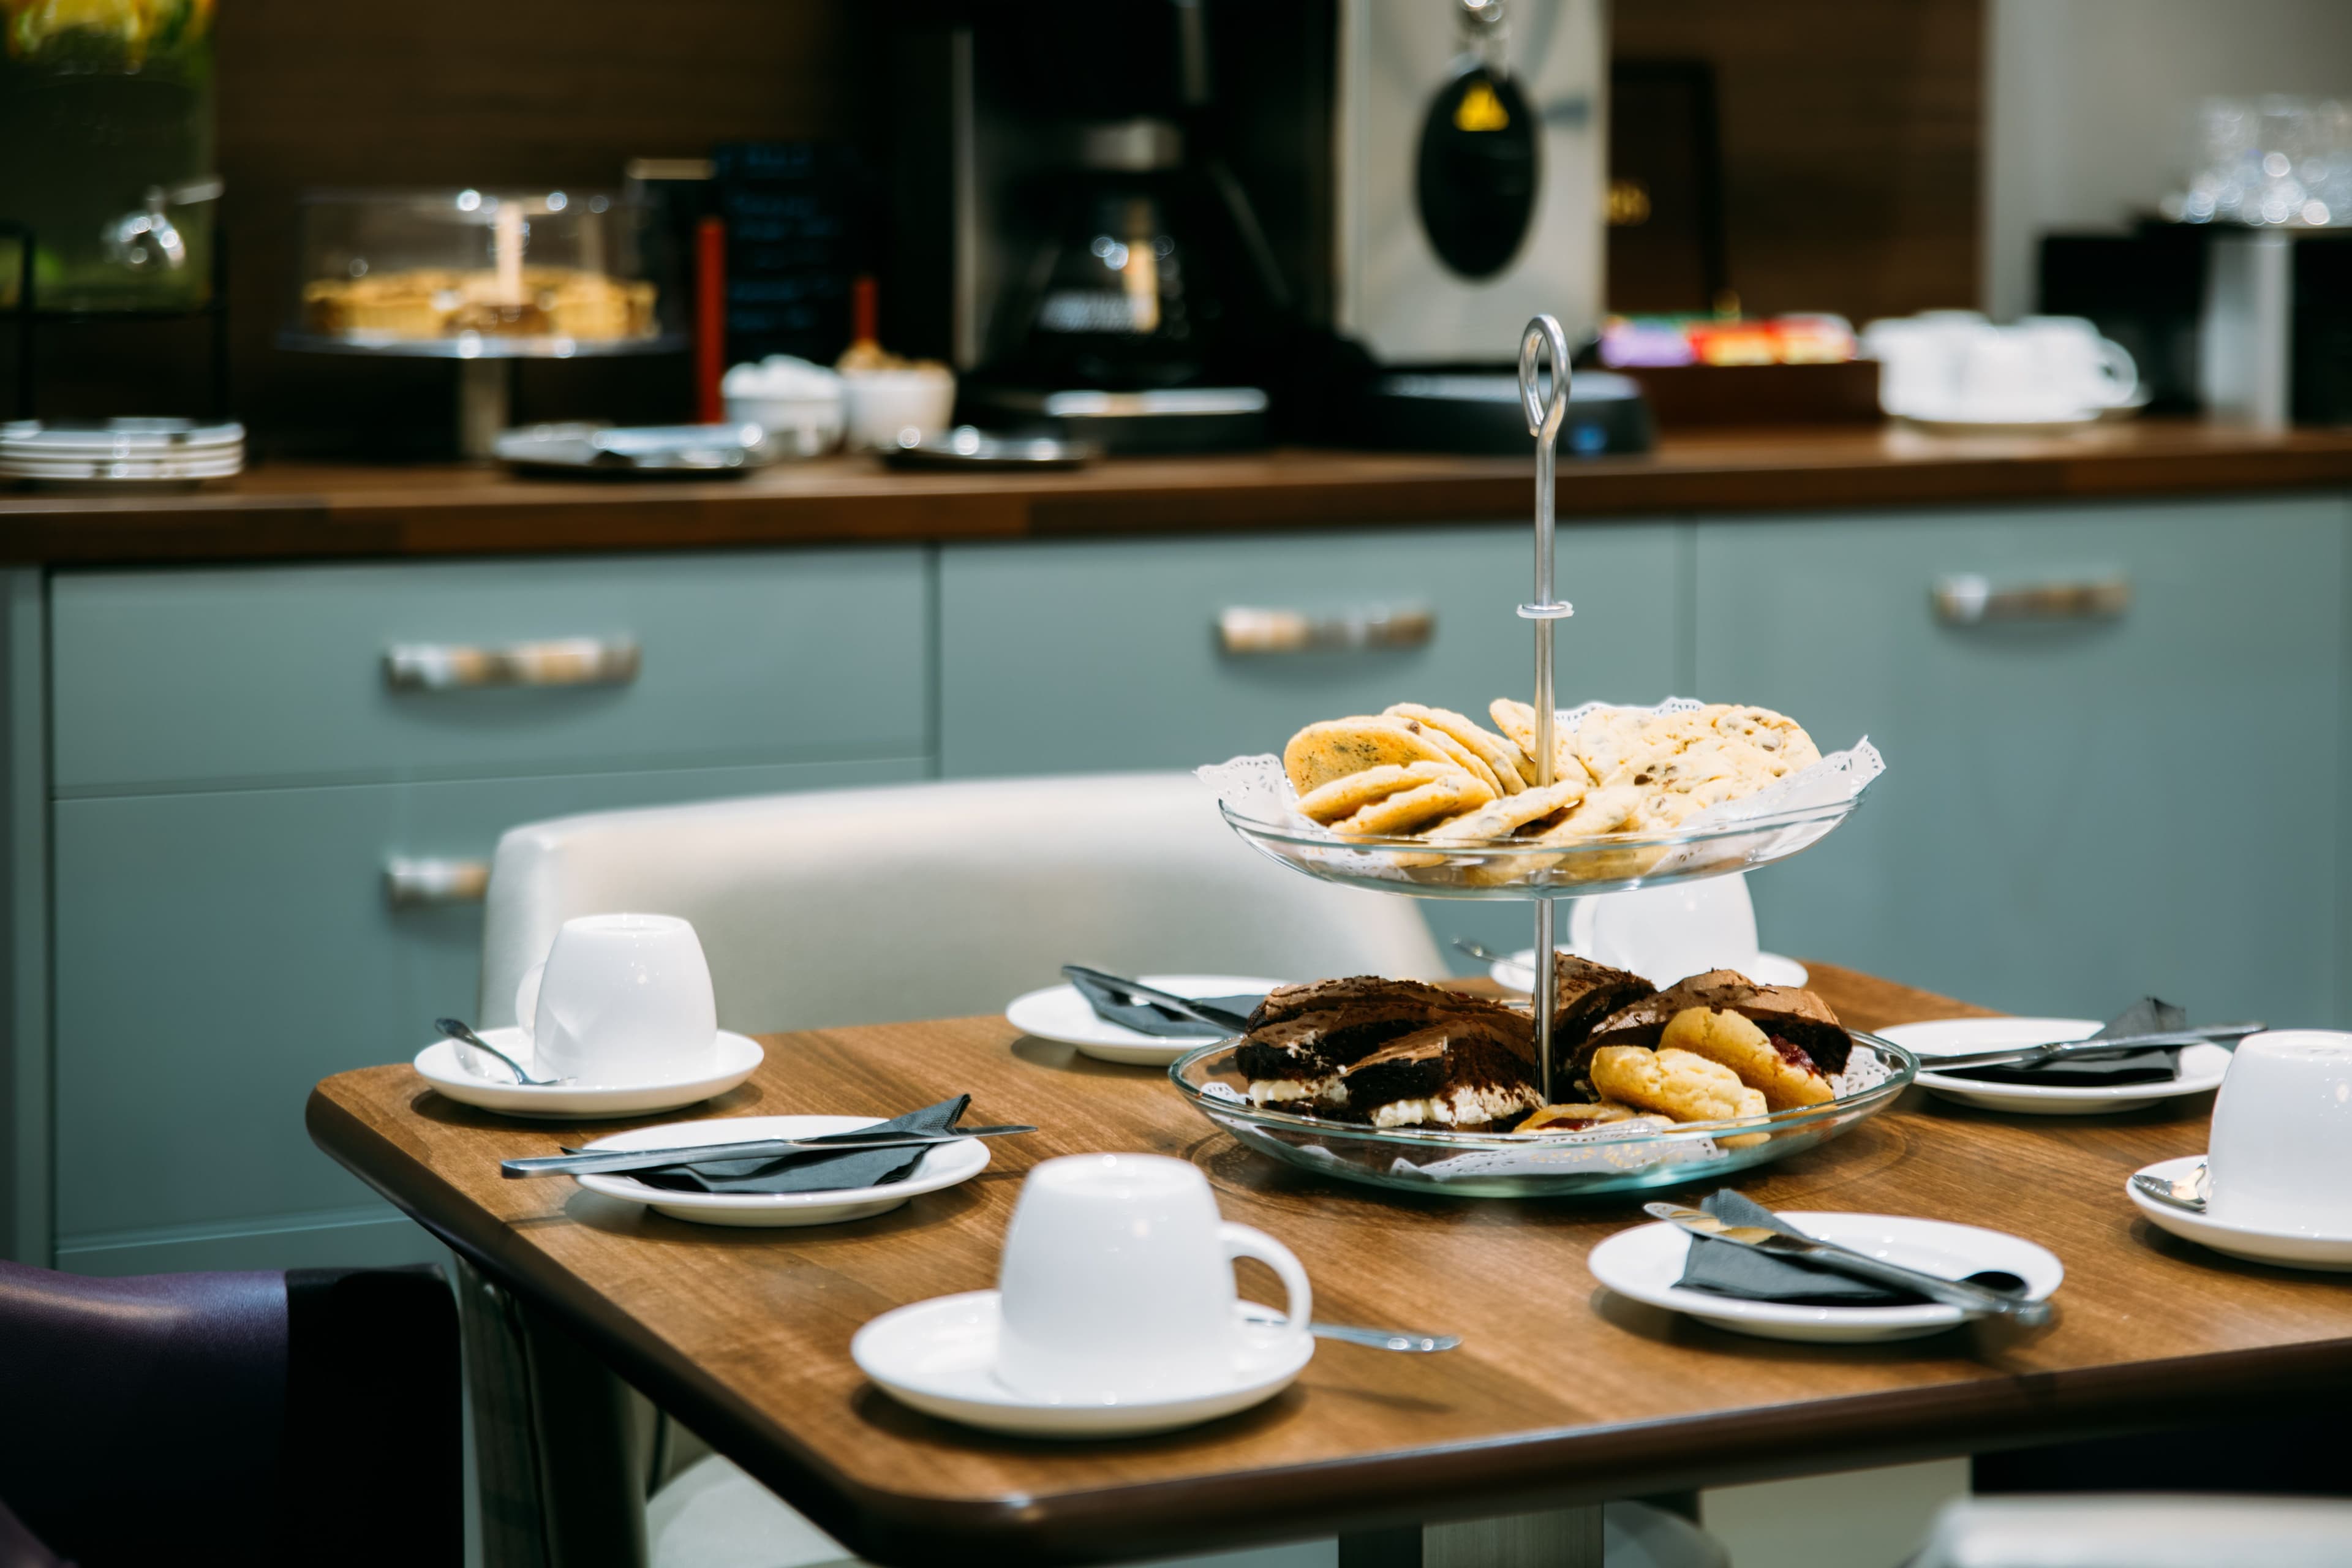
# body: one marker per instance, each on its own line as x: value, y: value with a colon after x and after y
x: 1787, y: 1079
x: 1468, y: 760
x: 1609, y: 742
x: 1776, y: 735
x: 1599, y: 811
x: 1673, y: 1083
x: 1501, y: 818
x: 1578, y: 1117
x: 1518, y: 720
x: 1408, y: 810
x: 1351, y: 792
x: 1512, y: 769
x: 1337, y: 747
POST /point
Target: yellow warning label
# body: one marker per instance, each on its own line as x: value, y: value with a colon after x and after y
x: 1480, y: 110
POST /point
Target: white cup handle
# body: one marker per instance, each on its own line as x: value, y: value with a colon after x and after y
x: 1298, y: 1306
x: 2122, y: 373
x: 527, y: 1000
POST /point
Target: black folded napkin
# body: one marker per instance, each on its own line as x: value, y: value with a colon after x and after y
x: 2146, y: 1016
x: 813, y: 1172
x: 1150, y: 1018
x: 1728, y: 1269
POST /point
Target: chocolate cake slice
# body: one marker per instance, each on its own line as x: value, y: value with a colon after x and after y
x: 1458, y: 1073
x: 1790, y: 1016
x: 1586, y: 993
x: 1303, y: 1037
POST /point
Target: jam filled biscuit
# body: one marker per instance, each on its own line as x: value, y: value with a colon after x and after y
x: 1785, y: 1074
x: 1673, y: 1083
x: 1577, y: 1118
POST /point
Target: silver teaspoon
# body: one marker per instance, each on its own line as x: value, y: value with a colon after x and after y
x: 2188, y: 1193
x: 459, y: 1032
x: 1404, y: 1339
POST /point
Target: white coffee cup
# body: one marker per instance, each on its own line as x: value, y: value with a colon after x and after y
x: 625, y: 999
x: 2280, y: 1153
x: 1670, y: 933
x: 1117, y: 1285
x: 887, y: 407
x: 2090, y: 371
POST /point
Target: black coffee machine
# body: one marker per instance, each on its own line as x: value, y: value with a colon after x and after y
x: 1084, y: 197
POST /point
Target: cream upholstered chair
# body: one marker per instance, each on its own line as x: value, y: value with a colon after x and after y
x: 866, y: 906
x: 937, y: 900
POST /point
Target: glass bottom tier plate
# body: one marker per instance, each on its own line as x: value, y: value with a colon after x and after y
x: 1522, y: 870
x: 1537, y: 1164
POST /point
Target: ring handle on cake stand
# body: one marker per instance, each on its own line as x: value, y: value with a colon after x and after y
x: 1545, y: 416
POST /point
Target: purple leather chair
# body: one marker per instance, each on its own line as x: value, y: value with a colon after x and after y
x: 308, y: 1416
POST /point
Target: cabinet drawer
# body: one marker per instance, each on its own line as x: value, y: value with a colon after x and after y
x: 2087, y: 801
x: 282, y: 674
x: 218, y: 954
x: 1109, y: 655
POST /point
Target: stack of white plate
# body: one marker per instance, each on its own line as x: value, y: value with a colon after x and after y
x: 119, y: 453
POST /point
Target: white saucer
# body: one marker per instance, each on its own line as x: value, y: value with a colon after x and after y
x: 2201, y: 1068
x: 738, y: 1056
x: 943, y: 1166
x: 1061, y: 1012
x: 1644, y: 1263
x: 2288, y: 1249
x: 1519, y: 971
x: 940, y: 1355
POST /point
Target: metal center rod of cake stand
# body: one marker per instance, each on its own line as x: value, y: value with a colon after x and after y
x: 1545, y: 414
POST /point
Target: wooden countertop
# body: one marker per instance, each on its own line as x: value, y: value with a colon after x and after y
x: 1562, y: 1392
x: 306, y: 510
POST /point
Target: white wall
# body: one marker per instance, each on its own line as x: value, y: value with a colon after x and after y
x: 2089, y: 102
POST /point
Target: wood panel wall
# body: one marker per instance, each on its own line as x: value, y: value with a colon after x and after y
x: 1852, y: 134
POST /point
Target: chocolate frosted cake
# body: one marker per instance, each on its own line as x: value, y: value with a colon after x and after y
x: 1305, y: 1042
x: 1461, y: 1073
x: 1786, y: 1014
x: 1585, y: 993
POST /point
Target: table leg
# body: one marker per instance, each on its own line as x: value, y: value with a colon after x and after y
x: 1557, y: 1538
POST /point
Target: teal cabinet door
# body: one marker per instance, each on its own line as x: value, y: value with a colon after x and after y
x: 218, y: 954
x: 1104, y: 656
x: 239, y: 677
x: 2075, y: 812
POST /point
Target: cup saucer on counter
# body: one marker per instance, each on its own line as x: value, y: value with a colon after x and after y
x: 944, y: 1166
x: 733, y: 1058
x: 1062, y: 1013
x: 1646, y: 1264
x: 2201, y: 1068
x: 940, y: 1356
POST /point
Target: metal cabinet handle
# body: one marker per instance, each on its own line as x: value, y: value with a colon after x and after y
x: 1968, y: 600
x: 411, y: 882
x: 562, y: 662
x: 1245, y: 629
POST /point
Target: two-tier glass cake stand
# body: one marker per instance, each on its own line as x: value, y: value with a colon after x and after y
x: 1606, y: 1159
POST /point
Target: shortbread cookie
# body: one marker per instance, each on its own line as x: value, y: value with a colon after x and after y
x: 1787, y: 1078
x: 1673, y: 1083
x: 1350, y: 793
x: 1513, y: 770
x: 1337, y: 747
x: 1468, y: 760
x: 1501, y: 818
x: 1411, y: 810
x: 1518, y: 720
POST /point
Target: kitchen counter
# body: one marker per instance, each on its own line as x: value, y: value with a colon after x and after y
x: 309, y: 510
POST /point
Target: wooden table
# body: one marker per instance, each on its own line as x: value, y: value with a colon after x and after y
x: 1562, y: 1392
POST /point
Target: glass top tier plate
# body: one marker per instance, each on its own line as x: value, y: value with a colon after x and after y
x: 1537, y: 1165
x: 1520, y: 869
